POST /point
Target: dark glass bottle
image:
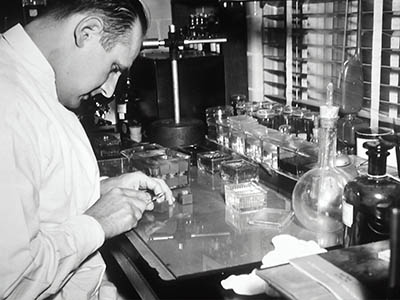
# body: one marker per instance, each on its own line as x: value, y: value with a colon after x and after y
x: 394, y: 264
x: 122, y: 125
x: 368, y: 199
x: 31, y: 9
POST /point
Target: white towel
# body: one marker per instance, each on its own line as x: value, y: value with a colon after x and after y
x: 286, y: 247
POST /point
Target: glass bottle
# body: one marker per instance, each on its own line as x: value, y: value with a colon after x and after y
x: 317, y: 196
x: 309, y: 121
x: 347, y: 126
x: 278, y: 110
x: 122, y: 125
x: 238, y: 102
x: 297, y: 122
x: 352, y: 94
x: 367, y: 200
x: 266, y: 117
x: 394, y: 264
x: 213, y: 116
x: 31, y: 9
x: 314, y: 137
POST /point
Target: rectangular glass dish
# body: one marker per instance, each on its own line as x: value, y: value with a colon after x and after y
x: 156, y: 161
x: 238, y: 170
x: 210, y: 161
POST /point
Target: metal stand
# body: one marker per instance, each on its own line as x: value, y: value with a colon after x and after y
x: 177, y: 132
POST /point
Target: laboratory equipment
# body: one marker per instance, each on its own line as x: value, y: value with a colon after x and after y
x: 317, y: 196
x: 368, y: 199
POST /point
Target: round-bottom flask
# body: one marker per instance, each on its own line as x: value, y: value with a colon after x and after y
x: 317, y: 196
x: 317, y: 200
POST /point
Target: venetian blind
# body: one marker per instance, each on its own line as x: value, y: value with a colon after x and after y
x: 305, y: 43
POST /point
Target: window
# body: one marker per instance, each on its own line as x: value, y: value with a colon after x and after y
x: 305, y: 44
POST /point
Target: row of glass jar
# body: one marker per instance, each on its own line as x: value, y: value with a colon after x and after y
x: 244, y: 135
x: 287, y: 119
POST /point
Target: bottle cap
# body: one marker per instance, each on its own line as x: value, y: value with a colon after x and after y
x: 378, y: 146
x: 377, y: 151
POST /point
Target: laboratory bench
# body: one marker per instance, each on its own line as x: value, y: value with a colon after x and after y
x: 185, y: 250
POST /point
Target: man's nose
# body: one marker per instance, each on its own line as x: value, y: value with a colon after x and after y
x: 108, y: 87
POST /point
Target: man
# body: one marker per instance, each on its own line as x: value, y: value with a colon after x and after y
x: 54, y: 210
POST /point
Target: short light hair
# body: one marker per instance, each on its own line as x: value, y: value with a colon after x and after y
x: 119, y: 16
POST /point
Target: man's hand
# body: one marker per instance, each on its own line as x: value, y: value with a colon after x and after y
x: 139, y: 181
x: 124, y: 199
x: 120, y: 209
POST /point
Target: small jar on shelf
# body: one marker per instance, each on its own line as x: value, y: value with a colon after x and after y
x: 216, y: 114
x: 223, y: 132
x: 267, y: 118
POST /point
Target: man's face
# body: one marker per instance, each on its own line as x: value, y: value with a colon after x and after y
x: 91, y: 69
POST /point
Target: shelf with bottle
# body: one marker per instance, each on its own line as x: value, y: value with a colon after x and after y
x: 280, y: 151
x: 275, y: 150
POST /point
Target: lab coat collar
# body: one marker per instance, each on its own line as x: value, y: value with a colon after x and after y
x: 22, y: 44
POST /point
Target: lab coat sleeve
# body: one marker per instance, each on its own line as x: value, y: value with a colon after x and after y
x: 36, y: 260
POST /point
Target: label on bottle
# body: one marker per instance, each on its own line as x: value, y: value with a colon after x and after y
x: 135, y: 133
x: 122, y: 108
x: 347, y: 214
x: 33, y: 12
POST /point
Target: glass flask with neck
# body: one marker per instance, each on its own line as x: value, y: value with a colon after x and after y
x: 317, y: 196
x: 352, y: 95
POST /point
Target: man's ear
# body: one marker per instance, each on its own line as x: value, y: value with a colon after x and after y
x: 89, y: 28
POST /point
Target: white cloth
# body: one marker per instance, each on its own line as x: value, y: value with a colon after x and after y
x: 384, y: 255
x: 286, y: 247
x: 48, y: 178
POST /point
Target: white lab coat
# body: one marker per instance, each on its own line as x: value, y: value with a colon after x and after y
x: 48, y: 178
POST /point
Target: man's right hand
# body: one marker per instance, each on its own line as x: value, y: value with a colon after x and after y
x: 119, y: 210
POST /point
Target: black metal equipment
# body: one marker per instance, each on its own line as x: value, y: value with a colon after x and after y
x: 177, y: 132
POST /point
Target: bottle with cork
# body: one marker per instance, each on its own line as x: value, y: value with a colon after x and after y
x: 317, y: 196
